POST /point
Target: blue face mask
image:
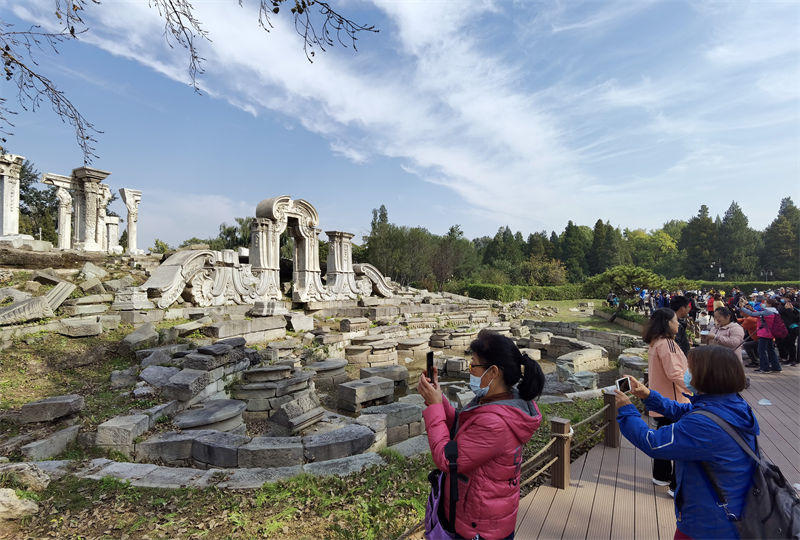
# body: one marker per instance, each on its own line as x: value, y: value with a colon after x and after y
x: 687, y: 382
x: 475, y: 385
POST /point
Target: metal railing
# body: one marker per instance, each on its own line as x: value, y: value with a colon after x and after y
x: 556, y: 453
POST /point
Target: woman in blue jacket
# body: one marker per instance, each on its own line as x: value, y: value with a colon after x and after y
x: 716, y: 376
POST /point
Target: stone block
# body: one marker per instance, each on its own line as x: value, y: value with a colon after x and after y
x: 242, y: 327
x: 218, y: 449
x: 398, y: 374
x: 255, y: 478
x: 584, y: 380
x: 396, y: 413
x: 50, y: 408
x: 26, y: 310
x: 50, y: 446
x: 90, y: 270
x: 343, y: 442
x: 271, y: 452
x: 117, y: 284
x: 267, y: 373
x: 158, y: 376
x: 121, y: 378
x: 353, y: 393
x: 143, y: 337
x: 396, y: 434
x: 374, y: 421
x: 209, y: 413
x: 344, y: 466
x: 47, y: 277
x: 413, y: 446
x: 416, y: 428
x: 122, y: 471
x: 80, y: 328
x: 185, y: 384
x: 169, y: 447
x: 161, y: 358
x: 298, y: 322
x: 122, y: 430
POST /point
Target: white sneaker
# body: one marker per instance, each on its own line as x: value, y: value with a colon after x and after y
x: 660, y: 482
x: 671, y: 493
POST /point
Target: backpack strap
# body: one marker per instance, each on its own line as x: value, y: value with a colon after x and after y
x: 451, y: 453
x: 732, y: 432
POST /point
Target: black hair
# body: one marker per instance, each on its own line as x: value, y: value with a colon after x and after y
x: 725, y: 312
x: 658, y: 325
x: 677, y: 302
x: 498, y: 350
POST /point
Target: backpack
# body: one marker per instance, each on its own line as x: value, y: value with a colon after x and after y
x: 775, y: 326
x: 771, y: 507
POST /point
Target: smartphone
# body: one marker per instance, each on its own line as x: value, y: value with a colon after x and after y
x: 624, y: 385
x: 429, y: 367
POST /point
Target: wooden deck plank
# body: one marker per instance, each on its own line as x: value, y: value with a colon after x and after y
x: 645, y: 517
x: 665, y: 509
x: 773, y: 428
x: 622, y: 522
x: 557, y: 517
x: 579, y: 515
x: 603, y: 507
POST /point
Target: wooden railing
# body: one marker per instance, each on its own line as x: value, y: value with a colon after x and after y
x: 556, y: 453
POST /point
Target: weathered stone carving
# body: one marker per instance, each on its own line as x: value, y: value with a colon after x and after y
x: 10, y: 166
x: 132, y: 198
x: 64, y: 218
x: 214, y: 278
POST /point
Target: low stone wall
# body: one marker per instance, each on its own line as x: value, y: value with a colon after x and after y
x: 630, y: 325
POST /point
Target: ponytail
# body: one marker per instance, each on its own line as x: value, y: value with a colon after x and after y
x: 532, y: 383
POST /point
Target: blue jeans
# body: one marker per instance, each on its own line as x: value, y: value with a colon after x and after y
x: 767, y: 356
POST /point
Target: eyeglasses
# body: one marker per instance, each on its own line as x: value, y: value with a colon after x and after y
x: 473, y: 366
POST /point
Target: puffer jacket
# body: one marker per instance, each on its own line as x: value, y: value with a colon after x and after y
x: 666, y: 365
x: 691, y: 440
x: 490, y: 440
x: 730, y: 336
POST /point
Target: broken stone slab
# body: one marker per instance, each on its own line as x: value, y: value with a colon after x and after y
x: 117, y: 284
x: 122, y: 430
x: 267, y: 373
x: 298, y: 322
x: 187, y: 328
x: 131, y: 299
x: 218, y: 449
x: 271, y: 452
x: 47, y: 277
x: 396, y: 413
x: 298, y: 414
x: 413, y: 446
x: 143, y: 337
x: 398, y: 374
x: 174, y: 478
x: 255, y: 478
x: 122, y: 471
x: 548, y: 400
x: 158, y: 376
x: 141, y: 392
x: 15, y: 294
x: 204, y: 362
x: 50, y: 408
x: 80, y: 328
x: 162, y: 410
x: 172, y: 350
x: 352, y: 394
x: 235, y: 342
x: 92, y: 286
x: 242, y: 327
x: 169, y: 447
x: 30, y: 475
x: 90, y: 270
x: 26, y: 310
x: 298, y: 381
x: 121, y: 378
x: 209, y: 413
x: 91, y: 299
x: 50, y: 446
x: 584, y: 380
x: 343, y: 442
x: 12, y: 507
x: 329, y: 365
x: 414, y: 399
x: 186, y: 384
x: 344, y: 466
x: 84, y: 309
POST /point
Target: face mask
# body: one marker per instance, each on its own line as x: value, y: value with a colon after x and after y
x: 475, y: 385
x: 687, y: 382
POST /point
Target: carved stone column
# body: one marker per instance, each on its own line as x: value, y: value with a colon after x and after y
x: 89, y: 179
x: 132, y: 198
x: 341, y: 279
x: 64, y: 218
x: 112, y: 234
x: 101, y: 233
x: 265, y: 255
x: 10, y: 166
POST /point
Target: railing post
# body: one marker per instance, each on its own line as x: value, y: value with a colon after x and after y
x: 559, y: 428
x: 611, y: 437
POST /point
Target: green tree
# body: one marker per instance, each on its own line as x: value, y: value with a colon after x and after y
x: 38, y: 207
x: 625, y: 281
x: 574, y: 245
x: 699, y: 242
x: 780, y: 254
x: 159, y: 246
x: 738, y: 245
x: 597, y: 263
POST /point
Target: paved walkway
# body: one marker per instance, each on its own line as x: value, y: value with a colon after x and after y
x: 611, y: 494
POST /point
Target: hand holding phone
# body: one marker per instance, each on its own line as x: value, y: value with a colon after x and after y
x: 429, y: 366
x: 623, y: 385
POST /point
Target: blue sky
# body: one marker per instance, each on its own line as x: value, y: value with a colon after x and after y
x: 521, y: 113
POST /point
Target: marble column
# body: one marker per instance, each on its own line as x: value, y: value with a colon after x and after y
x: 101, y: 233
x: 89, y: 179
x: 112, y: 234
x: 10, y: 166
x: 64, y: 218
x: 132, y: 198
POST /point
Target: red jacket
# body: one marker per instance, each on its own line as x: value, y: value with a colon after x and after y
x: 490, y: 438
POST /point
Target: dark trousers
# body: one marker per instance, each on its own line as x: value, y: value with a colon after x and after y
x: 787, y: 348
x: 767, y: 356
x: 663, y: 469
x: 751, y: 349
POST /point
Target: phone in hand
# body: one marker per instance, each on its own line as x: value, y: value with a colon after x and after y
x: 624, y: 385
x: 429, y: 366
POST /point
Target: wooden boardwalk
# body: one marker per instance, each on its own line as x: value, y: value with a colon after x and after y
x: 611, y: 494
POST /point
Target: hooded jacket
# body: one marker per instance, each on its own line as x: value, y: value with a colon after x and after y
x: 490, y: 438
x: 691, y: 440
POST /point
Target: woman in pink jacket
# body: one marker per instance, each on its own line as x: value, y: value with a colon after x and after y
x: 728, y: 333
x: 491, y: 434
x: 666, y: 372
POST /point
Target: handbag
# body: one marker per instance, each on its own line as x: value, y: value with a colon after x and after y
x: 771, y: 506
x: 435, y: 528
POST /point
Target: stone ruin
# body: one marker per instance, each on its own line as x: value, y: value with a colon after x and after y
x: 83, y: 224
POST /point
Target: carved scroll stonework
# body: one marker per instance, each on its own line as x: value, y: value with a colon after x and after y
x: 214, y: 278
x: 10, y: 166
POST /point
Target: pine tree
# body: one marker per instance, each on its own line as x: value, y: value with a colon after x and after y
x: 596, y: 261
x: 780, y: 257
x: 699, y: 242
x: 738, y: 245
x: 38, y: 208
